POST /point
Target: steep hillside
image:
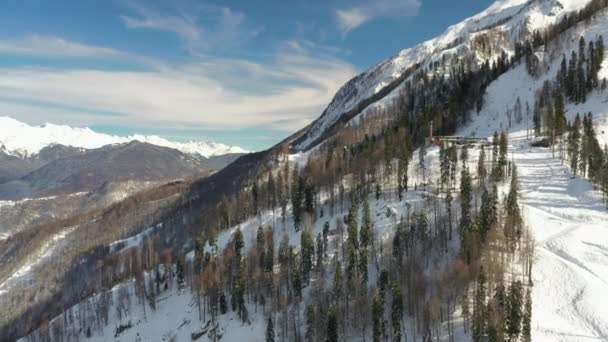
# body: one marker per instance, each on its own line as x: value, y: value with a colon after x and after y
x: 565, y: 211
x: 115, y: 163
x: 359, y: 226
x: 480, y: 38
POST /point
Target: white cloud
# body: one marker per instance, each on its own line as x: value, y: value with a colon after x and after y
x: 200, y: 25
x: 350, y: 18
x: 286, y: 92
x: 51, y: 46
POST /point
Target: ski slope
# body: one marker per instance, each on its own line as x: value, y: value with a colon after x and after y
x: 565, y: 214
x: 570, y: 225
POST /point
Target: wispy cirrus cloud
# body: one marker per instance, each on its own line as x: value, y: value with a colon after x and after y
x: 200, y: 25
x: 281, y: 89
x: 52, y: 46
x: 351, y: 18
x: 285, y: 92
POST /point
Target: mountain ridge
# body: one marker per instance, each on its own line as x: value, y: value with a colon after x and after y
x: 22, y: 140
x: 511, y: 19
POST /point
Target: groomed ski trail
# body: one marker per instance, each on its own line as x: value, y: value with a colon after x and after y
x: 570, y: 225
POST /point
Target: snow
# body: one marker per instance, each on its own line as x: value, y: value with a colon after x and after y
x: 517, y: 83
x: 22, y: 140
x: 50, y: 248
x: 135, y: 240
x: 566, y: 215
x: 511, y: 15
x: 570, y: 274
x: 176, y: 315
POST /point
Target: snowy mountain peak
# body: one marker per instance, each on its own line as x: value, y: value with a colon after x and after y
x: 22, y: 140
x: 502, y: 24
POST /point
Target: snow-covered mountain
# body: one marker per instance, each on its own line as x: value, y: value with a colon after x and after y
x: 565, y: 214
x: 499, y: 27
x: 22, y: 140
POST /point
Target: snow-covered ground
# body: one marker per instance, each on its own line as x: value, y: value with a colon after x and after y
x: 51, y: 248
x: 176, y: 316
x: 176, y: 312
x: 570, y: 225
x: 565, y: 214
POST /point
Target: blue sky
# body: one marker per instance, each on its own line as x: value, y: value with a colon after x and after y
x: 246, y: 73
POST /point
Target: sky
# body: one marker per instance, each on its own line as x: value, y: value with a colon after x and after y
x: 240, y: 72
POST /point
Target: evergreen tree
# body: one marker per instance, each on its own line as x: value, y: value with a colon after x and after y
x: 397, y: 313
x: 239, y: 294
x: 527, y: 319
x: 479, y: 307
x: 398, y: 243
x: 421, y: 162
x: 269, y: 254
x: 559, y: 117
x: 255, y: 197
x: 593, y: 156
x: 310, y: 323
x: 296, y: 199
x: 580, y: 73
x: 337, y: 286
x: 259, y: 242
x: 238, y: 244
x: 502, y: 158
x: 403, y: 165
x: 325, y: 238
x: 464, y: 155
x: 514, y: 316
x: 513, y: 219
x: 465, y: 201
x: 366, y: 231
x: 536, y: 119
x: 444, y: 165
x: 453, y: 162
x: 309, y: 198
x: 481, y: 168
x: 448, y: 209
x: 307, y: 252
x: 319, y: 252
x: 180, y: 275
x: 572, y: 80
x: 486, y: 215
x: 363, y: 261
x: 592, y: 65
x: 495, y: 315
x: 296, y: 273
x: 377, y: 310
x: 352, y: 243
x: 332, y: 326
x: 270, y: 330
x: 562, y: 75
x: 573, y: 144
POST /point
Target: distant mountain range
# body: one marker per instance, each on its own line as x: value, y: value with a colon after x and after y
x: 49, y: 160
x: 22, y: 140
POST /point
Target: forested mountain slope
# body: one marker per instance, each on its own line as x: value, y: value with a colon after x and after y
x: 361, y: 227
